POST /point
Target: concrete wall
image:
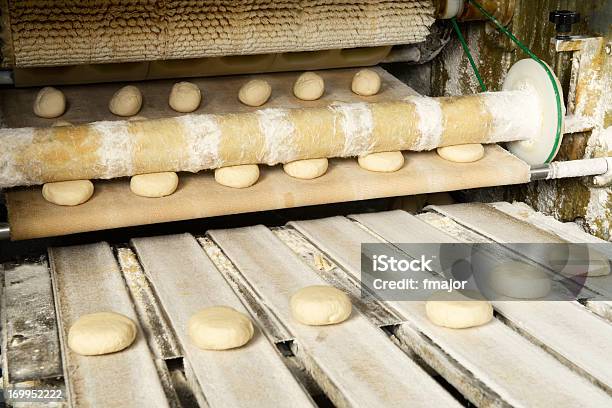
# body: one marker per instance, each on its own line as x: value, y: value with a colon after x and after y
x: 570, y: 199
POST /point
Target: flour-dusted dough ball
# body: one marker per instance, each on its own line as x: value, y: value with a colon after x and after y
x: 220, y: 328
x: 573, y: 260
x: 306, y: 169
x: 61, y: 123
x: 101, y: 333
x: 458, y: 311
x: 73, y: 192
x: 237, y: 176
x: 127, y: 101
x: 309, y: 86
x: 382, y: 162
x: 185, y: 97
x: 320, y: 305
x: 49, y: 103
x: 519, y: 280
x: 255, y: 92
x: 366, y: 83
x: 154, y: 184
x: 466, y: 153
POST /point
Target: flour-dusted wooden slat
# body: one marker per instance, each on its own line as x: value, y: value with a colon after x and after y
x: 570, y: 232
x: 86, y: 279
x: 186, y: 281
x: 31, y: 344
x: 577, y: 337
x: 504, y: 228
x: 496, y: 360
x: 386, y: 377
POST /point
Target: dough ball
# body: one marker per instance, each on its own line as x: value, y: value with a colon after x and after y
x: 127, y: 101
x: 366, y: 83
x: 255, y: 92
x: 382, y: 162
x: 519, y: 280
x: 49, y: 103
x: 101, y: 333
x: 466, y: 153
x: 237, y: 176
x: 576, y: 260
x: 309, y: 86
x: 185, y: 97
x: 73, y: 192
x: 320, y: 305
x: 306, y: 169
x: 154, y: 184
x: 458, y: 311
x: 220, y: 328
x: 61, y: 123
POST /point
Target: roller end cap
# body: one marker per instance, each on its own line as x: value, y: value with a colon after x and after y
x: 528, y: 74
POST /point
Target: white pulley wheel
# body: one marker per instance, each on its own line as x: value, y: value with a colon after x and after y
x: 529, y: 75
x: 451, y: 9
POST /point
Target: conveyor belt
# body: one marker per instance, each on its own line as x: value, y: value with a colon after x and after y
x: 113, y: 205
x: 531, y: 354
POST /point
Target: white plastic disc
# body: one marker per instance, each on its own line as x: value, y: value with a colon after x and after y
x: 528, y: 74
x: 452, y: 9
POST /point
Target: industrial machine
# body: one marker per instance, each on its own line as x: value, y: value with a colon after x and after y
x: 528, y: 80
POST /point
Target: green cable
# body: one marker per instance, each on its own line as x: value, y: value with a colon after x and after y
x: 551, y: 76
x: 469, y: 55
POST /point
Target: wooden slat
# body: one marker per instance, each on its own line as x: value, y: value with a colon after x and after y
x: 514, y: 369
x: 503, y: 228
x: 570, y: 232
x: 569, y: 331
x: 31, y: 344
x: 387, y: 377
x: 186, y: 281
x: 86, y: 279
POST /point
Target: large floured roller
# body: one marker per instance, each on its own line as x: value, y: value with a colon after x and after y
x: 524, y: 113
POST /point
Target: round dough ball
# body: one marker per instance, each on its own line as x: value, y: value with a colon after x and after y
x: 382, y: 162
x: 185, y: 97
x: 49, y: 103
x: 101, y: 333
x: 220, y: 328
x: 458, y: 311
x: 309, y: 87
x: 519, y: 280
x: 73, y: 192
x: 575, y: 260
x: 306, y: 169
x: 127, y: 101
x: 366, y: 83
x: 320, y: 305
x: 154, y: 184
x: 466, y: 153
x: 255, y: 92
x: 237, y: 176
